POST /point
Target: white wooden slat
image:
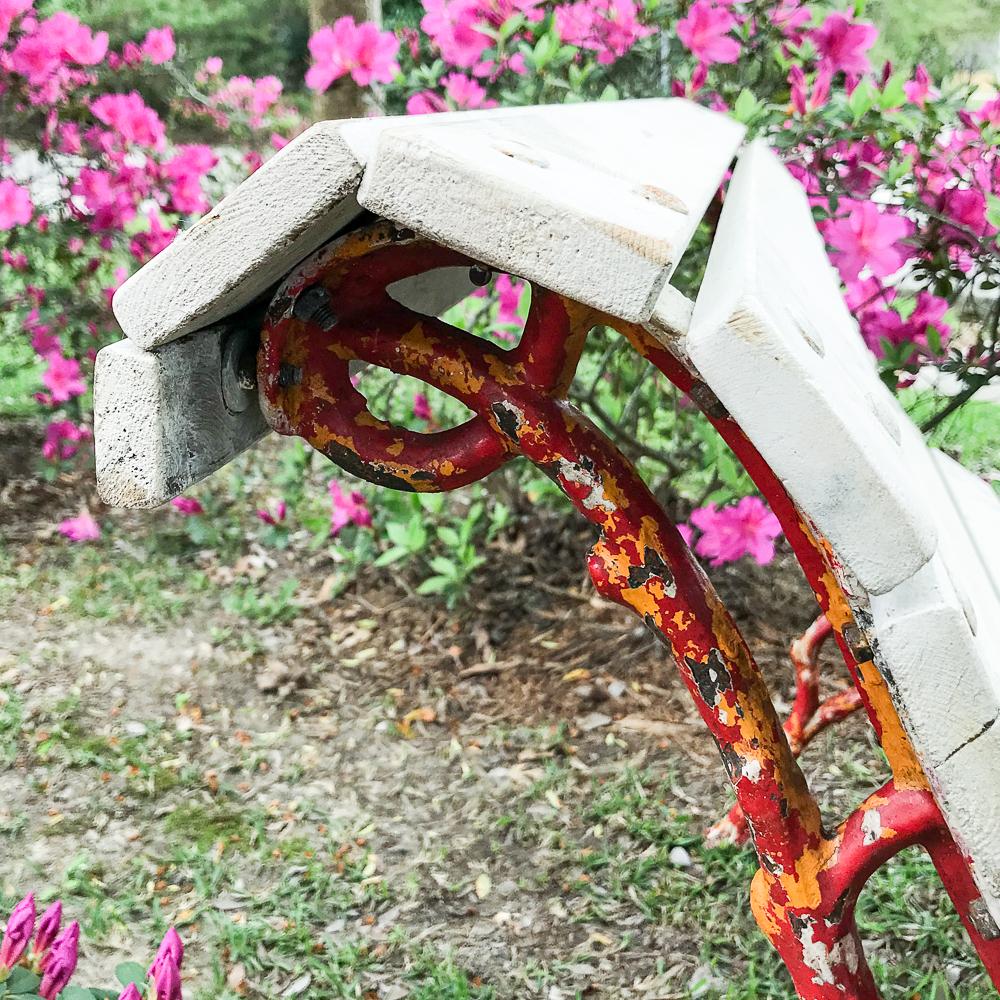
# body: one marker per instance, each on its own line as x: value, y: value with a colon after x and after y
x: 624, y: 187
x: 293, y: 204
x: 595, y: 201
x: 772, y: 337
x: 161, y: 421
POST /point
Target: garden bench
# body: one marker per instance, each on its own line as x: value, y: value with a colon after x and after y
x: 348, y: 243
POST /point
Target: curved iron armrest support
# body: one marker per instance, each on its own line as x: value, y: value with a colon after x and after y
x: 335, y: 309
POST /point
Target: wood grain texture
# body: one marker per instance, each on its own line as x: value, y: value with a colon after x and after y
x: 297, y: 201
x: 594, y: 201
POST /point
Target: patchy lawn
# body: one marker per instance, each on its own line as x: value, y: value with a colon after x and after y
x: 372, y: 796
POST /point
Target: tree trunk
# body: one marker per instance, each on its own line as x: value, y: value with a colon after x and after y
x: 344, y: 99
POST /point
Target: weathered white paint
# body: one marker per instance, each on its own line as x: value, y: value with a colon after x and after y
x: 597, y: 201
x: 594, y: 201
x: 772, y: 337
x: 294, y: 203
x: 915, y: 535
x: 161, y: 422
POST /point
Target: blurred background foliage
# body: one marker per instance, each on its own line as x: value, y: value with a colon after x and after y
x: 253, y: 37
x: 258, y: 37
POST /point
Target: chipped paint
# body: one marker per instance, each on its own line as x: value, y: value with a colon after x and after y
x: 804, y: 893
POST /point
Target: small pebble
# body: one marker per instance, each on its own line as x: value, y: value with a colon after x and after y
x: 679, y: 857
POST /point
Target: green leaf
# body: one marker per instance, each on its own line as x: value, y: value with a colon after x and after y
x: 746, y: 107
x: 445, y: 567
x: 76, y: 993
x: 392, y: 555
x: 21, y: 981
x: 893, y: 95
x: 434, y: 585
x: 130, y: 972
x: 416, y: 535
x: 397, y: 533
x: 861, y: 101
x: 449, y: 536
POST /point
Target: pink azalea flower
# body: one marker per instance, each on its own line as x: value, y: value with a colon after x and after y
x: 131, y: 992
x: 16, y: 208
x: 745, y: 528
x: 10, y: 10
x: 929, y: 312
x: 16, y: 261
x: 790, y: 17
x: 159, y: 46
x: 278, y: 517
x: 62, y: 378
x: 348, y: 508
x: 867, y: 238
x: 368, y: 54
x: 452, y: 26
x: 425, y: 102
x: 842, y: 43
x: 919, y: 88
x: 966, y: 207
x: 17, y: 933
x: 421, y: 407
x: 130, y: 118
x: 705, y: 31
x: 509, y: 294
x: 156, y: 238
x: 80, y: 529
x: 60, y: 39
x: 465, y: 93
x: 575, y: 23
x: 62, y: 440
x: 184, y: 172
x: 187, y: 506
x: 213, y: 65
x: 61, y: 963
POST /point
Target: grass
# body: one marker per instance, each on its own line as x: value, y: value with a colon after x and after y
x: 616, y: 851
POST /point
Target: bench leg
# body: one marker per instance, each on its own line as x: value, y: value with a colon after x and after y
x: 806, y: 720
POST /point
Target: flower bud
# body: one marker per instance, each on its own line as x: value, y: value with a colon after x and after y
x: 18, y: 932
x: 48, y: 927
x: 170, y: 947
x: 167, y: 978
x: 131, y: 992
x: 61, y: 962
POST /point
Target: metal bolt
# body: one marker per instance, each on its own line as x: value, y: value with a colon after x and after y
x: 288, y: 375
x: 313, y: 306
x: 480, y: 275
x: 239, y: 369
x: 858, y: 644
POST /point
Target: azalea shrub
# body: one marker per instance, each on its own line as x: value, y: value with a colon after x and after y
x: 98, y: 171
x: 38, y: 958
x: 91, y: 188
